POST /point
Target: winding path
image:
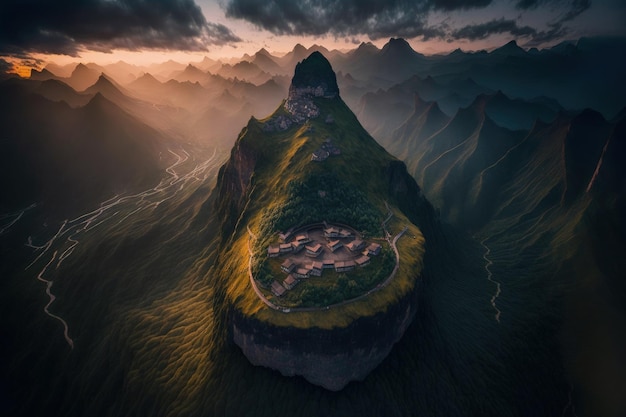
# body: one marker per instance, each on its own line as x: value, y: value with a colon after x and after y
x: 51, y: 297
x: 13, y: 218
x: 253, y: 281
x: 380, y: 286
x: 570, y: 404
x: 64, y: 242
x: 488, y: 264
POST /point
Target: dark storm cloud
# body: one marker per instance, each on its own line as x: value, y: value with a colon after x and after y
x: 67, y: 26
x: 484, y: 30
x: 569, y: 8
x: 557, y: 29
x: 576, y: 7
x: 376, y: 18
x: 527, y: 4
x: 5, y: 67
x: 566, y: 10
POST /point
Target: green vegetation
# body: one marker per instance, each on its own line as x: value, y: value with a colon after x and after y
x: 284, y: 192
x: 322, y: 197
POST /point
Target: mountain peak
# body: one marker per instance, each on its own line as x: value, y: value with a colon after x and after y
x: 262, y: 51
x: 397, y: 44
x: 82, y: 69
x: 313, y: 78
x: 42, y: 75
x: 315, y: 72
x: 511, y: 48
x: 103, y: 83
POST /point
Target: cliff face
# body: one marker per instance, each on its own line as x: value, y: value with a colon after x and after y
x: 234, y: 182
x: 328, y: 358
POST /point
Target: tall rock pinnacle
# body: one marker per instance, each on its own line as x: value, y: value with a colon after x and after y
x: 316, y: 73
x: 313, y: 78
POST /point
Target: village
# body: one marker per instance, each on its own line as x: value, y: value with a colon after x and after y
x: 309, y: 251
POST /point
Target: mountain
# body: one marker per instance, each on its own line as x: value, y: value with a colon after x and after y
x: 146, y: 82
x: 180, y: 94
x: 315, y: 72
x: 207, y: 64
x: 166, y: 68
x: 399, y: 49
x: 140, y: 305
x: 509, y: 49
x: 426, y: 120
x: 56, y: 90
x: 244, y: 70
x: 86, y: 154
x: 272, y: 183
x: 82, y: 77
x: 62, y: 71
x: 365, y: 50
x: 381, y: 112
x: 266, y: 62
x: 191, y: 73
x: 122, y: 72
x: 42, y: 75
x: 107, y: 88
x: 394, y: 63
x: 495, y: 181
x: 290, y: 59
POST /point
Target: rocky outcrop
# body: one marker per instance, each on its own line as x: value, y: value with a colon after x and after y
x: 314, y: 78
x: 234, y: 182
x: 328, y: 358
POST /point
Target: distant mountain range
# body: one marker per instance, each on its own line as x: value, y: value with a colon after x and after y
x: 68, y: 159
x: 505, y: 167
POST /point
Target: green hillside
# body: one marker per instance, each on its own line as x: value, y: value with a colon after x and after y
x: 284, y: 192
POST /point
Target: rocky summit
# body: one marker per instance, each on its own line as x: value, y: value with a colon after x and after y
x: 314, y: 77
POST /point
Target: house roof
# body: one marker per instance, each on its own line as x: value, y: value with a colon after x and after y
x: 315, y: 248
x: 288, y: 263
x: 344, y: 264
x: 362, y: 260
x: 277, y: 288
x: 354, y: 244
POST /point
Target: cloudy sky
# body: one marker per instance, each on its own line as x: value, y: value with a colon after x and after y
x: 33, y: 31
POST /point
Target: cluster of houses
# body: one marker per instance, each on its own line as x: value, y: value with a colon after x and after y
x: 327, y: 149
x: 314, y: 268
x: 279, y: 123
x: 300, y: 105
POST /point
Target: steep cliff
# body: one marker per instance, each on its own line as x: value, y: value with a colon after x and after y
x: 330, y: 358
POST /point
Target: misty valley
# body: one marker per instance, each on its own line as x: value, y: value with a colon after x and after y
x: 140, y: 205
